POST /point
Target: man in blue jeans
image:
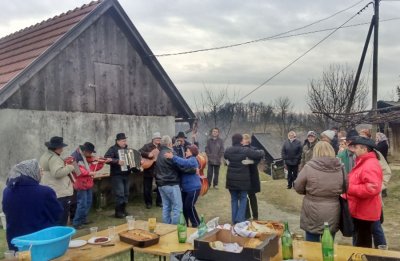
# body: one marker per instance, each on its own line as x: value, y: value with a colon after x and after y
x: 238, y: 175
x: 167, y: 180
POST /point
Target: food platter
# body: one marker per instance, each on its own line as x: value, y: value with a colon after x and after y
x: 98, y: 240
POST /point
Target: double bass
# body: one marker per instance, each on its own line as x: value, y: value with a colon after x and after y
x: 202, y: 160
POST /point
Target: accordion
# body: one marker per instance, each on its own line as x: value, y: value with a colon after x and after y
x: 132, y: 159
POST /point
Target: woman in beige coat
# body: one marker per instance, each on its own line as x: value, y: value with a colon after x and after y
x: 321, y: 182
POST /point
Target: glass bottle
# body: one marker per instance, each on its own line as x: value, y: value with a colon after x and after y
x: 202, y: 229
x: 182, y: 229
x: 327, y: 244
x: 287, y: 244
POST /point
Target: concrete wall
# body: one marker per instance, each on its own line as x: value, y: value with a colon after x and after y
x: 23, y: 133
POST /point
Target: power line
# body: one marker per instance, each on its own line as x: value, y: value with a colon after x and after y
x: 257, y: 40
x: 304, y: 54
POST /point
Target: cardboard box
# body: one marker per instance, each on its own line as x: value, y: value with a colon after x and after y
x: 263, y: 252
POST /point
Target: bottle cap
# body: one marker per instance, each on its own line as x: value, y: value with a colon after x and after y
x: 326, y: 224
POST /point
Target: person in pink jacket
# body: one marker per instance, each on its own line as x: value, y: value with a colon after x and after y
x: 363, y: 193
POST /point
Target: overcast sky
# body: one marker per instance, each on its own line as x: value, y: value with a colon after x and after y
x: 184, y: 25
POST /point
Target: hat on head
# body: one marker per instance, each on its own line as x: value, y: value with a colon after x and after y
x: 181, y: 134
x: 363, y: 141
x: 55, y: 143
x: 312, y: 133
x: 237, y: 139
x: 121, y: 136
x: 351, y: 135
x: 330, y: 134
x: 156, y: 135
x: 87, y: 146
x: 194, y: 150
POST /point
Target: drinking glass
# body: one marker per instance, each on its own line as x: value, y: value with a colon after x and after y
x: 93, y: 231
x: 131, y: 222
x: 152, y: 222
x: 297, y: 245
x: 111, y: 232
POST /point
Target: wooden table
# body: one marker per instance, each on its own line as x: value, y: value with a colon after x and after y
x: 120, y: 251
x: 311, y: 251
x: 168, y: 244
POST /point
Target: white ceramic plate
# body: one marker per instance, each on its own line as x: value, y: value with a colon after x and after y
x: 77, y: 243
x: 93, y: 241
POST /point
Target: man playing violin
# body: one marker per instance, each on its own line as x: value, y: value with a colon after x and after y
x: 88, y: 164
x: 149, y: 152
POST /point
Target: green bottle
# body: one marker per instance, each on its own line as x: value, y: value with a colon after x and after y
x: 327, y: 244
x: 202, y: 229
x: 182, y: 229
x: 287, y: 244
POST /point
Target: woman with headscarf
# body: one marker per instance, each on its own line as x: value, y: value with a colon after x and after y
x: 382, y: 144
x: 28, y: 206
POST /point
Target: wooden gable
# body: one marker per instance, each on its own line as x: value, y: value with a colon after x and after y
x: 101, y: 65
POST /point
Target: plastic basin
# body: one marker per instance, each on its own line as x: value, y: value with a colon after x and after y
x: 45, y: 244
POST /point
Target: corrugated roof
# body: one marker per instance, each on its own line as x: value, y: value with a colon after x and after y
x: 271, y: 143
x: 20, y: 49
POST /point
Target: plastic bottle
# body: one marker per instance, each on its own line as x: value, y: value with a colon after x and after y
x: 327, y: 244
x: 287, y: 244
x: 182, y: 229
x: 202, y: 229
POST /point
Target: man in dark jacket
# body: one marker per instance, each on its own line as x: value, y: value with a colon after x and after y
x: 238, y: 175
x: 291, y: 154
x: 252, y: 205
x: 215, y: 152
x: 148, y: 151
x: 119, y: 178
x: 181, y: 144
x: 167, y: 180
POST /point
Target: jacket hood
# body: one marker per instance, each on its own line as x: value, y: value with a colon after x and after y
x: 326, y: 164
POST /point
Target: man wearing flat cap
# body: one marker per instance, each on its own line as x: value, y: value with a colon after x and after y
x: 363, y: 193
x: 56, y: 175
x: 119, y: 178
x: 150, y: 152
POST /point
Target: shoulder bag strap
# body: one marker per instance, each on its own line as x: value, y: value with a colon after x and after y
x: 344, y: 185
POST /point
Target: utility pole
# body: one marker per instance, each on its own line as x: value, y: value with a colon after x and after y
x: 375, y: 58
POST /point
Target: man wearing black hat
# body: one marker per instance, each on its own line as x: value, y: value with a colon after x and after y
x: 347, y: 156
x: 56, y: 175
x: 119, y: 178
x: 88, y: 165
x: 181, y: 144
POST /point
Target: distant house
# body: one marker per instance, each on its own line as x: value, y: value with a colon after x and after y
x: 272, y: 146
x: 86, y: 75
x: 391, y: 128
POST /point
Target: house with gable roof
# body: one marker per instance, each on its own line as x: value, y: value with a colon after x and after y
x: 85, y: 75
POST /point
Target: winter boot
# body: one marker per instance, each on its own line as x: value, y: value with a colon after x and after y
x: 119, y: 212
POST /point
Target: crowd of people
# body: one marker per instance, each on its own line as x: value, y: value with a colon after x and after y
x: 352, y: 166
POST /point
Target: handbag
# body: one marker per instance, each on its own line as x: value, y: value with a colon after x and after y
x: 346, y: 225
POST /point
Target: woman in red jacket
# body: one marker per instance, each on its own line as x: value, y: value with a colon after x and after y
x: 363, y: 193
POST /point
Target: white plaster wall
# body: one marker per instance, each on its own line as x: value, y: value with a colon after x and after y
x: 23, y: 133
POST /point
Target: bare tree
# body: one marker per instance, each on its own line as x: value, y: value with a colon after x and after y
x: 283, y: 108
x: 216, y: 109
x: 329, y: 94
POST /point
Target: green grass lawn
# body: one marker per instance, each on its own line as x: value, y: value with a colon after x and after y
x: 217, y: 203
